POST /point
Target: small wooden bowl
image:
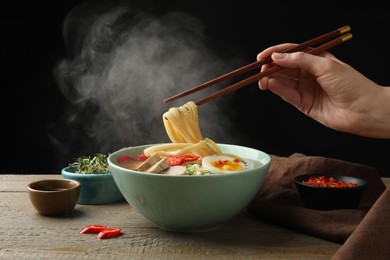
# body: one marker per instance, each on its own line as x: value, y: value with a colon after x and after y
x: 54, y: 197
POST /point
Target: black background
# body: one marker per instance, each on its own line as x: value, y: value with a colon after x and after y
x: 32, y: 43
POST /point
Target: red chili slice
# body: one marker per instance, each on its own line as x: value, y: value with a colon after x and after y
x: 93, y: 229
x: 123, y: 159
x: 109, y: 233
x: 174, y: 160
x: 141, y: 157
x: 190, y: 157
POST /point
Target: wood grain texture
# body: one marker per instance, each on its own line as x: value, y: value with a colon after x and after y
x: 24, y: 234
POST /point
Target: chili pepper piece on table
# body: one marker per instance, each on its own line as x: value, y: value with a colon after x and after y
x: 109, y: 233
x: 92, y: 229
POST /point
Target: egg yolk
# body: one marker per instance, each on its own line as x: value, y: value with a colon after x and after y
x: 227, y: 165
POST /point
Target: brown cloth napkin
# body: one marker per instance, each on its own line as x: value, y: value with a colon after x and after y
x: 278, y: 200
x: 371, y: 238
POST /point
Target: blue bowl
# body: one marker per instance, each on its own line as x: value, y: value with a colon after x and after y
x: 94, y: 188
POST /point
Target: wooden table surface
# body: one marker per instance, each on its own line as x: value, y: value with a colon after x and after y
x: 24, y: 234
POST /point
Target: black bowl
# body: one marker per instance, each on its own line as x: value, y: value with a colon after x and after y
x: 325, y: 198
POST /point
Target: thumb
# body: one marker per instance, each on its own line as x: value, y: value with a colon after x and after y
x: 301, y: 60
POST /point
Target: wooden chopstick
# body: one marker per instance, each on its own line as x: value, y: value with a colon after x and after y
x: 257, y: 64
x: 274, y: 69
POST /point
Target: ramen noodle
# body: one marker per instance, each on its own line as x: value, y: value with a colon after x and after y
x: 182, y: 126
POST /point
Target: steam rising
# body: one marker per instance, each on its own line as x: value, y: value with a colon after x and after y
x: 123, y: 63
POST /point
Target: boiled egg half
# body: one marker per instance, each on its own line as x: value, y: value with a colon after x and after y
x: 223, y: 164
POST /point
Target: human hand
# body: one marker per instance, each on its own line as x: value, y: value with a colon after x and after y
x: 323, y: 87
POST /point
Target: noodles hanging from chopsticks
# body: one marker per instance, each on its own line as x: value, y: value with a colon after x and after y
x: 182, y: 126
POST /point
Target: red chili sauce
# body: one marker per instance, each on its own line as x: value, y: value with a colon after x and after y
x: 330, y: 182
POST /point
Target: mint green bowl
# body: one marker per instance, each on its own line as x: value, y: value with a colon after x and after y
x: 95, y: 189
x: 190, y: 203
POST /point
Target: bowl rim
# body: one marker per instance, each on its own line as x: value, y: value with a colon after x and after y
x: 267, y: 162
x: 76, y: 185
x: 66, y: 171
x: 298, y: 180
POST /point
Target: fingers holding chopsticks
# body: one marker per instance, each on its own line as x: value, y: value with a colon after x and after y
x: 292, y: 64
x: 292, y: 83
x: 277, y: 48
x: 285, y: 74
x: 304, y: 78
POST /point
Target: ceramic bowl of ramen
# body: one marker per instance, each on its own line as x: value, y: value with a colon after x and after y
x: 192, y: 201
